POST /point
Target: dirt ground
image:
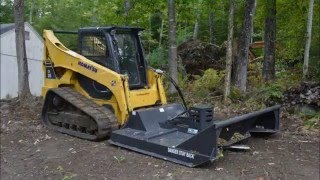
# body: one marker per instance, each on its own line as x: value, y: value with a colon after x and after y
x: 30, y: 151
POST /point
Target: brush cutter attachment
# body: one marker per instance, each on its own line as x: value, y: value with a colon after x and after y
x: 191, y: 137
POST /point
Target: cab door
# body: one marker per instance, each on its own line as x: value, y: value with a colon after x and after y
x: 93, y: 45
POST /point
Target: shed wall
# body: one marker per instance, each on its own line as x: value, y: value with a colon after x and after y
x: 8, y: 63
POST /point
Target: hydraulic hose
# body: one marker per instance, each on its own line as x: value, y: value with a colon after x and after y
x: 175, y: 86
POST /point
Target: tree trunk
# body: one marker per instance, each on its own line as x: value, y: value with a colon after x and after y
x: 151, y: 33
x: 31, y: 11
x: 268, y: 72
x: 196, y: 27
x: 242, y: 60
x: 23, y: 74
x: 229, y: 51
x: 308, y: 41
x: 94, y: 20
x: 211, y: 23
x: 211, y: 27
x: 161, y: 32
x: 172, y: 45
x: 126, y: 7
x: 253, y: 14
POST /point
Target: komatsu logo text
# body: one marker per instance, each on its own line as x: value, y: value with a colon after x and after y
x: 87, y: 66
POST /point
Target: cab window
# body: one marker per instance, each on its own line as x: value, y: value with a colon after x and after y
x: 94, y: 48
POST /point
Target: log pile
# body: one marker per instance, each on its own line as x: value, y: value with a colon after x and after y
x: 305, y: 94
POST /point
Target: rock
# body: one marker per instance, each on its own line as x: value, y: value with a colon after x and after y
x: 307, y: 109
x: 47, y: 137
x: 260, y: 178
x: 4, y: 106
x: 309, y: 92
x: 219, y: 169
x: 39, y: 127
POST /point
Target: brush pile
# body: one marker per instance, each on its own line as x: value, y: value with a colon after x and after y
x: 307, y: 93
x: 197, y: 56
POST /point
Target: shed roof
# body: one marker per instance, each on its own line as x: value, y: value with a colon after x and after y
x: 6, y: 27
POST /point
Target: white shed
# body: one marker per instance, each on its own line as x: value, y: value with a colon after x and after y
x: 8, y: 60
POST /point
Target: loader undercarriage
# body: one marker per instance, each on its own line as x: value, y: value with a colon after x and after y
x: 71, y: 113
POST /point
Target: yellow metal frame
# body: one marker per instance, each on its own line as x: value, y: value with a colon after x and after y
x: 123, y: 100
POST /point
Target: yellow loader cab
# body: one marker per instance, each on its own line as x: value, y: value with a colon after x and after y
x: 108, y: 90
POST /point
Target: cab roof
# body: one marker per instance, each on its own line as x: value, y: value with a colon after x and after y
x: 109, y: 28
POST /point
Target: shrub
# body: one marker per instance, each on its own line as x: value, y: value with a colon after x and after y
x: 183, y: 80
x: 184, y: 35
x: 314, y: 73
x: 273, y: 92
x: 254, y: 74
x: 158, y: 58
x: 210, y: 81
x: 311, y: 119
x: 235, y: 94
x: 312, y: 123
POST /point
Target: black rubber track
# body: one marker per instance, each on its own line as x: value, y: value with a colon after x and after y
x: 103, y: 117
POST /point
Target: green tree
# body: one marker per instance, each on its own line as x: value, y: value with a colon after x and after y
x: 242, y: 59
x: 268, y: 72
x: 6, y: 9
x: 23, y: 73
x: 173, y: 65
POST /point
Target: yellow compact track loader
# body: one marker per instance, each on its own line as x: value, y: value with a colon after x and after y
x: 107, y: 90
